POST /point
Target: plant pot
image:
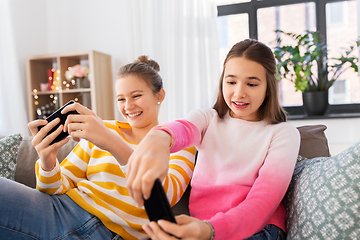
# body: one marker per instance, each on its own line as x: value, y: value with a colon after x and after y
x: 315, y: 103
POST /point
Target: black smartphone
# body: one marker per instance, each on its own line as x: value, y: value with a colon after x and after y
x: 57, y: 114
x: 157, y: 206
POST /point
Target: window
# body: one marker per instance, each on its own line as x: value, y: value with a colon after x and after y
x: 335, y: 14
x: 341, y: 30
x: 231, y: 29
x: 290, y: 18
x: 337, y: 20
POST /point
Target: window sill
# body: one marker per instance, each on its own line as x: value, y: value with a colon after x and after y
x: 326, y: 116
x: 334, y: 111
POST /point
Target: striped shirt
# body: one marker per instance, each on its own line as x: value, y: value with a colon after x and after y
x: 95, y: 180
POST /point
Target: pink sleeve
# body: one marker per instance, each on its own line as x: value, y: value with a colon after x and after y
x: 183, y: 133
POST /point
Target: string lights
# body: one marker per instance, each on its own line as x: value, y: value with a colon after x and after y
x: 54, y: 84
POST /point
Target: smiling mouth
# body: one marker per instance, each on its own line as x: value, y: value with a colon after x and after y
x: 133, y: 115
x: 240, y: 104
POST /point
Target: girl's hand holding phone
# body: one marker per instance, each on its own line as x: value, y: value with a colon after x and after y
x: 89, y: 126
x: 186, y: 228
x: 85, y: 125
x: 41, y: 141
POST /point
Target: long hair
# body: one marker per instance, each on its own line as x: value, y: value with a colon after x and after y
x: 145, y: 69
x: 251, y: 49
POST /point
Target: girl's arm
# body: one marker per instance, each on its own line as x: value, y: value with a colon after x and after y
x: 65, y: 176
x: 73, y: 169
x: 150, y: 159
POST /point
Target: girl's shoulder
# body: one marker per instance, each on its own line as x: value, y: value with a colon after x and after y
x: 285, y: 126
x: 201, y: 114
x: 115, y: 125
x: 285, y: 129
x: 201, y: 117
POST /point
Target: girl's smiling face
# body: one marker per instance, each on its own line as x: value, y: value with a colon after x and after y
x: 137, y: 102
x: 244, y: 87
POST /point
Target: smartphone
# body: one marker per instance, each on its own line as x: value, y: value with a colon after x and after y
x: 157, y: 206
x: 57, y: 114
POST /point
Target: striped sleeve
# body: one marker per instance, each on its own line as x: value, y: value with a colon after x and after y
x: 181, y: 167
x: 65, y: 176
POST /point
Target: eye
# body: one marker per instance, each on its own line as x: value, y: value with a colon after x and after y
x: 231, y: 82
x: 252, y: 84
x: 121, y: 99
x: 137, y: 96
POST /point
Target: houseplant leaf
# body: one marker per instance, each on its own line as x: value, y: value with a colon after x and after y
x: 296, y: 61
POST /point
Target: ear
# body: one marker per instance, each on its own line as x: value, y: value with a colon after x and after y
x: 161, y: 95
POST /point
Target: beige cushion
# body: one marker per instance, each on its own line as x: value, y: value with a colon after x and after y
x: 313, y: 141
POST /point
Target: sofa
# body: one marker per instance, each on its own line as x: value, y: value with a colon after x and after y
x: 322, y: 202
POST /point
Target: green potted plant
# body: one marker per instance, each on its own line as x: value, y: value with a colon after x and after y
x: 299, y: 61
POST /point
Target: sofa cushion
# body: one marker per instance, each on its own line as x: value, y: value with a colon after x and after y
x: 323, y: 199
x: 313, y: 141
x: 9, y: 149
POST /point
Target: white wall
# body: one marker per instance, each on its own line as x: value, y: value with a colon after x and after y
x: 28, y: 21
x: 100, y: 25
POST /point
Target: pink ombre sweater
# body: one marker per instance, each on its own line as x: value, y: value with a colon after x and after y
x: 242, y: 172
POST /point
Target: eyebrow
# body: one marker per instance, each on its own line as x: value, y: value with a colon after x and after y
x: 256, y: 78
x: 250, y: 78
x: 132, y: 92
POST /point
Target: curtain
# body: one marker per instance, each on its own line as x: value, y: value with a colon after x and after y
x: 182, y: 37
x: 13, y: 115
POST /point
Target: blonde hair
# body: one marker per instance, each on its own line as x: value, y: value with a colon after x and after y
x: 146, y: 69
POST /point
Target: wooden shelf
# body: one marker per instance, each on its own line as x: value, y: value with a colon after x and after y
x: 98, y: 97
x: 77, y: 90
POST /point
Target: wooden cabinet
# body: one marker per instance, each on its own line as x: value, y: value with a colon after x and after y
x: 97, y: 94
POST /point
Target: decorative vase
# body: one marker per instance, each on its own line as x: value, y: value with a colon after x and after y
x: 315, y: 103
x: 85, y: 82
x: 79, y: 82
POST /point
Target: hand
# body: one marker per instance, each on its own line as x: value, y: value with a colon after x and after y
x: 89, y: 126
x: 47, y: 153
x: 86, y: 125
x: 150, y: 160
x: 186, y: 228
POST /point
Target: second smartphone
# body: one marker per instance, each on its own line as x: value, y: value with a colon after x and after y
x: 157, y: 206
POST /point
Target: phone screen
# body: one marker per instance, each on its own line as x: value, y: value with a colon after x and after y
x: 57, y: 114
x: 157, y: 206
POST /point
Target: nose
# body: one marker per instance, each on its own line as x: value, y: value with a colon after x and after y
x: 128, y: 105
x: 240, y: 91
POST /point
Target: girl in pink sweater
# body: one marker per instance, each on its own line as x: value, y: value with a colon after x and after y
x: 246, y: 156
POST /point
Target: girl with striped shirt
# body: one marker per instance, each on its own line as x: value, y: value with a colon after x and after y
x: 86, y: 196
